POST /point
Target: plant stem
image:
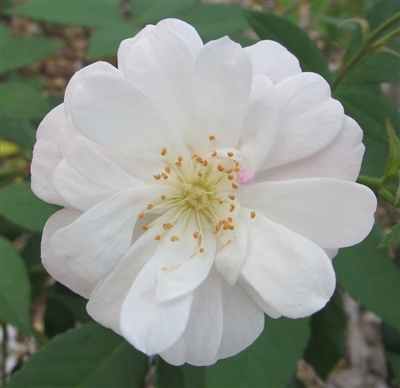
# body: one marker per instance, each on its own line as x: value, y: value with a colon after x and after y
x: 365, y: 47
x: 372, y: 183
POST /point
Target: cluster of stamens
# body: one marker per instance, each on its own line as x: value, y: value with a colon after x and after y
x: 204, y: 187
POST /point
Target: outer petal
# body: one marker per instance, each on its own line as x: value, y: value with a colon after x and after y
x: 113, y: 112
x: 243, y: 321
x: 81, y: 74
x: 152, y: 65
x: 273, y: 60
x: 340, y: 159
x: 85, y: 177
x: 46, y: 156
x: 103, y: 234
x: 54, y: 263
x: 149, y: 325
x: 106, y: 300
x: 330, y: 212
x: 200, y: 342
x: 223, y: 76
x: 260, y: 123
x: 308, y: 121
x: 289, y: 272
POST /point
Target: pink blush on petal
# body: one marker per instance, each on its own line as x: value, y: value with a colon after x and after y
x: 246, y: 177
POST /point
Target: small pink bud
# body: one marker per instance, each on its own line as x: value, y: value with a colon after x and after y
x: 246, y: 177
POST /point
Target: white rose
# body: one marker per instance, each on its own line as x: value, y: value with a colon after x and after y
x: 203, y: 185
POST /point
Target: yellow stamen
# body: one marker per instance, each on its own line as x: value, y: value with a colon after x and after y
x: 174, y: 238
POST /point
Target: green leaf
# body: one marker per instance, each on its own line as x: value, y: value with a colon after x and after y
x: 328, y: 337
x: 20, y: 52
x: 22, y: 207
x: 179, y: 376
x: 269, y: 362
x: 21, y: 132
x: 270, y: 26
x: 22, y: 102
x: 370, y: 111
x: 90, y: 356
x: 393, y: 163
x: 80, y: 13
x: 393, y: 360
x: 393, y: 238
x: 57, y: 318
x: 371, y: 277
x: 105, y: 42
x: 211, y: 21
x: 14, y: 288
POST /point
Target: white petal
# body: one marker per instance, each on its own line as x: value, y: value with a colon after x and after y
x: 115, y: 113
x: 181, y: 267
x: 187, y: 32
x: 81, y: 74
x: 330, y: 212
x: 273, y: 60
x: 260, y: 123
x: 127, y: 44
x: 86, y: 177
x: 289, y: 272
x: 223, y: 76
x: 106, y: 300
x: 55, y: 264
x: 243, y: 321
x: 200, y: 342
x: 230, y: 256
x: 97, y: 240
x: 257, y: 299
x: 340, y: 159
x: 308, y: 121
x: 46, y: 156
x: 151, y: 64
x: 149, y: 325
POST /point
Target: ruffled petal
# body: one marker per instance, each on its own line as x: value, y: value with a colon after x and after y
x: 201, y: 340
x: 223, y: 78
x: 291, y: 274
x: 85, y: 177
x: 181, y: 267
x: 231, y: 255
x: 340, y: 159
x: 152, y: 326
x: 103, y: 234
x: 260, y: 123
x: 243, y: 321
x: 330, y: 212
x: 151, y: 64
x: 308, y: 121
x: 115, y: 113
x: 55, y: 264
x: 47, y: 155
x: 273, y: 60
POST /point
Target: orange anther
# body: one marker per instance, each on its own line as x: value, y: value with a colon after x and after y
x: 142, y: 215
x: 214, y: 153
x: 196, y: 234
x: 253, y: 214
x: 164, y: 152
x: 158, y: 176
x: 163, y: 196
x: 212, y: 138
x: 158, y: 237
x: 145, y: 227
x: 150, y: 206
x: 201, y: 250
x: 174, y: 238
x: 230, y: 154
